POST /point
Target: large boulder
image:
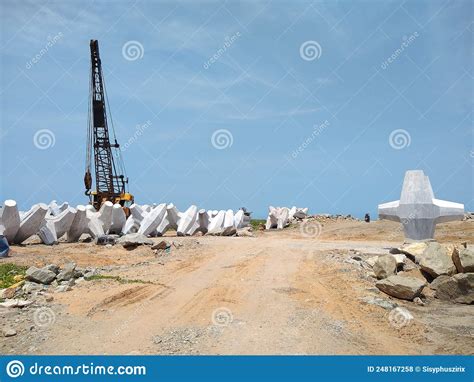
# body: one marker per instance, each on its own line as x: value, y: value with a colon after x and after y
x: 464, y: 260
x: 385, y: 266
x: 133, y: 240
x: 67, y: 273
x: 40, y: 275
x: 414, y: 251
x: 458, y: 288
x: 406, y: 288
x: 436, y: 262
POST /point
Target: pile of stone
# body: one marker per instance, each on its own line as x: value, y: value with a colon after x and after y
x: 55, y: 221
x: 323, y: 218
x: 468, y: 216
x: 41, y: 280
x: 426, y: 268
x: 281, y: 217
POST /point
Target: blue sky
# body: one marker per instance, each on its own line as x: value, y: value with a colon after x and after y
x: 316, y: 104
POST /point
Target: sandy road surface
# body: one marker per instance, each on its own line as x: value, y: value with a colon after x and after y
x: 277, y: 293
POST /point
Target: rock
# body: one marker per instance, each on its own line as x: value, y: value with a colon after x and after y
x: 162, y: 245
x: 418, y: 301
x: 406, y: 288
x: 379, y: 302
x: 48, y: 298
x: 428, y: 291
x: 78, y: 273
x: 385, y: 266
x: 416, y: 273
x: 245, y: 232
x: 463, y: 260
x: 67, y: 273
x: 458, y: 288
x: 435, y: 261
x: 372, y: 260
x: 9, y: 332
x: 133, y: 240
x: 413, y: 250
x: 63, y: 288
x: 15, y: 303
x: 106, y: 240
x: 53, y: 268
x: 30, y: 287
x: 8, y: 292
x: 42, y: 276
x: 400, y: 259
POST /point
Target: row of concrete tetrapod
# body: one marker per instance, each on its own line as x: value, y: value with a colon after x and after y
x: 280, y: 217
x: 51, y: 222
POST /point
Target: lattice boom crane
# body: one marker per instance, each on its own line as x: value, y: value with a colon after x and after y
x: 110, y: 179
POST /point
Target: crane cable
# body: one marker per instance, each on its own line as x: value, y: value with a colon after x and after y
x: 118, y: 153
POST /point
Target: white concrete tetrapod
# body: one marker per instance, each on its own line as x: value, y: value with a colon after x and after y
x: 54, y: 227
x: 118, y: 219
x: 170, y: 220
x: 216, y: 225
x: 418, y: 210
x: 282, y: 220
x: 187, y: 220
x: 105, y: 215
x: 78, y: 225
x: 152, y: 220
x: 239, y: 219
x: 31, y: 222
x: 10, y: 220
x: 228, y: 226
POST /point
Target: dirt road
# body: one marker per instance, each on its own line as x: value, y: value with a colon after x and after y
x: 277, y: 293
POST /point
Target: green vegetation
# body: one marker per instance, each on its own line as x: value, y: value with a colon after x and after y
x: 118, y: 279
x: 8, y: 272
x: 255, y: 223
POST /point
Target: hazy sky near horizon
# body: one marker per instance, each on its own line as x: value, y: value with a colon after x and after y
x: 224, y: 104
